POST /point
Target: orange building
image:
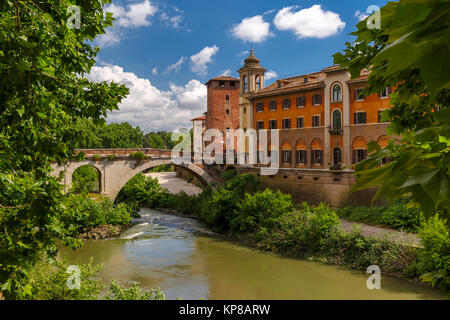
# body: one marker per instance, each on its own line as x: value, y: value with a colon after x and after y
x: 325, y: 122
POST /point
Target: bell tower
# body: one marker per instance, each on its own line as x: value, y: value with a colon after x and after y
x: 251, y: 81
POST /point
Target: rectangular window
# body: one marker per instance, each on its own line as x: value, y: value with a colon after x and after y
x: 359, y: 118
x: 227, y: 111
x: 286, y: 123
x: 359, y: 94
x: 260, y: 125
x: 300, y: 122
x: 232, y: 83
x: 316, y: 121
x: 301, y: 157
x: 316, y: 156
x: 260, y: 107
x: 286, y: 104
x: 359, y: 155
x: 272, y: 106
x: 305, y: 80
x: 221, y: 83
x: 316, y: 100
x: 245, y: 110
x: 287, y: 156
x: 301, y: 101
x: 272, y: 124
x: 385, y: 93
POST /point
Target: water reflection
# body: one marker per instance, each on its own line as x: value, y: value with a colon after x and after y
x: 175, y: 254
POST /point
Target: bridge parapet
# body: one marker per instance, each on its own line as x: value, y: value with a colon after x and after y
x: 162, y: 153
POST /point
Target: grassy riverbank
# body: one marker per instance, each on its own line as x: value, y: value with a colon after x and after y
x: 269, y: 220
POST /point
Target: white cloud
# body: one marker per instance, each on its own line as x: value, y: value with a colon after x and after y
x: 226, y: 73
x: 155, y: 70
x: 150, y: 108
x: 136, y: 15
x: 360, y: 15
x: 309, y: 23
x: 201, y: 59
x: 111, y: 37
x: 270, y: 75
x: 252, y: 29
x: 176, y: 66
x: 242, y: 53
x: 173, y: 22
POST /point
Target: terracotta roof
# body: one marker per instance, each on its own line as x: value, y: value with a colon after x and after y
x: 333, y: 68
x: 199, y: 118
x: 225, y: 78
x: 315, y: 80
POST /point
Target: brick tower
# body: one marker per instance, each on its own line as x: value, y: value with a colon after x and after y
x: 223, y: 103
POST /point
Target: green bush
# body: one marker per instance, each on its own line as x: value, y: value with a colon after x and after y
x: 162, y: 168
x: 97, y: 157
x: 141, y: 189
x: 112, y: 157
x: 434, y: 257
x: 398, y: 216
x: 80, y: 212
x: 229, y: 174
x: 139, y: 156
x: 47, y: 280
x: 85, y: 179
x: 134, y: 292
x: 260, y: 210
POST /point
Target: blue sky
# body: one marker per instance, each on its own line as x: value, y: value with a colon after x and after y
x: 165, y: 50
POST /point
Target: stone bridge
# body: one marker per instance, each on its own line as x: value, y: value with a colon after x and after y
x: 116, y: 167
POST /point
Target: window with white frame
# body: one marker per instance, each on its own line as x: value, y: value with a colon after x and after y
x: 316, y: 100
x: 301, y: 102
x: 286, y: 123
x: 359, y: 117
x: 286, y: 104
x: 337, y: 93
x: 385, y: 93
x: 272, y: 124
x: 316, y: 121
x: 358, y: 94
x: 272, y: 106
x: 260, y: 107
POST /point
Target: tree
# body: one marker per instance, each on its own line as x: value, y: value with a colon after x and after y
x: 85, y: 179
x: 43, y: 91
x: 410, y: 53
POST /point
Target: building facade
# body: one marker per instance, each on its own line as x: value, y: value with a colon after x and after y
x: 222, y: 103
x: 323, y: 118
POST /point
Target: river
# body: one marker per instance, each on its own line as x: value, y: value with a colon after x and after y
x: 187, y: 261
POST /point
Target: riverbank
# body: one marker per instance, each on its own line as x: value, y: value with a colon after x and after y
x: 379, y: 236
x: 102, y: 232
x: 270, y: 221
x: 187, y: 261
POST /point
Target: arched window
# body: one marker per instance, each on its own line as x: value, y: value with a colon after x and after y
x: 245, y: 83
x: 337, y: 122
x: 337, y: 93
x: 258, y: 83
x: 337, y: 156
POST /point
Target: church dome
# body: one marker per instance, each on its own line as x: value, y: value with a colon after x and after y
x: 251, y: 59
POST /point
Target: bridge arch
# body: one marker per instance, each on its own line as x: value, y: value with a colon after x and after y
x: 114, y: 174
x: 70, y: 170
x: 195, y: 170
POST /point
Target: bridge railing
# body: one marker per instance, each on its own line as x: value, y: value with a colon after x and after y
x: 161, y: 153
